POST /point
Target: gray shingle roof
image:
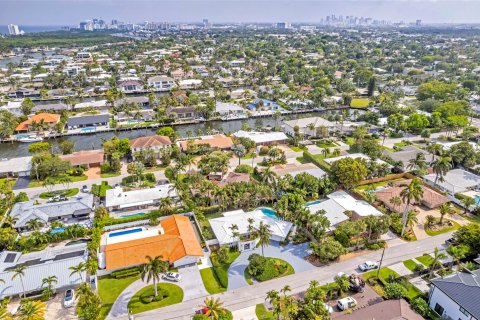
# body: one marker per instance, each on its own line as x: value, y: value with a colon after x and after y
x: 88, y: 120
x: 463, y: 288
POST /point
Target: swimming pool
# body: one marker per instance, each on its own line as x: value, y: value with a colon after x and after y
x: 88, y: 129
x: 268, y: 212
x: 477, y: 199
x: 23, y: 136
x: 57, y: 230
x: 124, y: 232
x: 311, y: 203
x: 133, y: 215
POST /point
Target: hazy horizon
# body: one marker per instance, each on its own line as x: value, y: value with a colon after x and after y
x: 71, y: 12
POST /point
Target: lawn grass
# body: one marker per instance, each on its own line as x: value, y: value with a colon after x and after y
x: 66, y: 193
x: 211, y: 282
x: 444, y: 230
x: 359, y: 103
x: 426, y: 259
x: 389, y: 149
x: 248, y: 278
x: 109, y: 289
x: 262, y: 313
x: 215, y: 279
x: 9, y: 181
x: 302, y: 160
x: 288, y: 271
x: 350, y: 141
x: 109, y: 175
x: 412, y: 291
x: 400, y: 144
x: 35, y: 183
x: 297, y: 149
x: 384, y: 275
x: 326, y: 144
x: 410, y: 264
x: 248, y: 156
x: 137, y: 304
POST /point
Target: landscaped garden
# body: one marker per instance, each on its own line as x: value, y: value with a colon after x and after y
x: 390, y: 285
x: 265, y: 268
x: 109, y: 289
x: 425, y: 259
x: 57, y: 180
x: 60, y: 193
x: 359, y: 103
x: 446, y: 226
x: 215, y: 279
x: 145, y: 299
x: 412, y: 265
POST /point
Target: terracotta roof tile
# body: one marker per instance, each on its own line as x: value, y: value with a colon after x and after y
x: 84, y: 157
x: 150, y: 141
x: 46, y: 117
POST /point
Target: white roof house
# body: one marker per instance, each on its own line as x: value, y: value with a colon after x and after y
x: 262, y: 137
x: 448, y: 145
x: 455, y: 181
x: 221, y: 226
x: 355, y: 156
x: 304, y: 123
x: 116, y: 198
x: 16, y: 166
x: 41, y: 264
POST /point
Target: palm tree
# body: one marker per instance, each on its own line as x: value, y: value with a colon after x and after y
x: 396, y: 201
x: 440, y: 167
x: 445, y: 209
x: 436, y: 261
x: 264, y: 234
x: 343, y: 284
x: 413, y: 192
x: 412, y: 218
x: 152, y: 270
x: 435, y: 149
x: 79, y: 268
x: 458, y: 252
x: 214, y: 306
x: 34, y: 224
x: 418, y: 164
x: 467, y: 203
x: 48, y: 292
x: 32, y: 310
x: 429, y: 220
x: 19, y: 271
x: 268, y: 176
x: 234, y: 229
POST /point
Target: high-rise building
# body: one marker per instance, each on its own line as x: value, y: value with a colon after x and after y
x: 86, y: 25
x: 206, y: 24
x: 13, y: 30
x: 418, y: 22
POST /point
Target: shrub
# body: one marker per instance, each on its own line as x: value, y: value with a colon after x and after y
x: 226, y: 316
x: 105, y: 168
x: 395, y: 291
x: 420, y: 306
x: 125, y: 273
x: 419, y: 267
x: 376, y: 245
x: 264, y: 150
x: 244, y: 168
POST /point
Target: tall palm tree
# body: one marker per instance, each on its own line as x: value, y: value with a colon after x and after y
x: 440, y: 167
x: 343, y: 284
x: 34, y: 224
x: 412, y: 218
x: 264, y: 234
x: 32, y: 310
x: 49, y: 281
x: 435, y: 149
x: 445, y: 209
x: 467, y: 202
x: 152, y: 270
x: 413, y: 192
x: 396, y: 201
x: 436, y: 261
x: 19, y: 272
x: 79, y: 268
x: 418, y: 164
x: 234, y: 229
x: 214, y: 306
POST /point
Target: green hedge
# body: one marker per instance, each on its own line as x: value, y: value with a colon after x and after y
x: 319, y: 163
x: 125, y: 273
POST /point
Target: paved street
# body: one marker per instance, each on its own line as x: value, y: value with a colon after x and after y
x: 249, y: 296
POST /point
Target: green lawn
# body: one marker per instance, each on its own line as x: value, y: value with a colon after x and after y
x: 297, y: 149
x: 389, y: 149
x: 350, y: 141
x: 211, y: 282
x: 266, y: 275
x: 66, y: 193
x: 410, y: 264
x: 109, y: 175
x: 10, y: 181
x: 109, y: 289
x: 215, y: 279
x: 262, y: 313
x: 248, y: 278
x: 444, y: 230
x: 384, y: 275
x: 412, y: 291
x: 139, y: 302
x: 400, y: 144
x: 359, y: 103
x: 426, y: 259
x: 326, y: 144
x: 35, y: 183
x: 302, y: 160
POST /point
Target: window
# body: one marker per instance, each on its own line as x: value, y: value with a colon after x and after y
x: 465, y: 312
x: 439, y: 309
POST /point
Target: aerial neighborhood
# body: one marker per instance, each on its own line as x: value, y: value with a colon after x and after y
x: 240, y: 173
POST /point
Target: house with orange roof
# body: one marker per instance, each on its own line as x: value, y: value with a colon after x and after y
x: 219, y: 141
x: 155, y: 143
x: 48, y: 119
x: 174, y: 240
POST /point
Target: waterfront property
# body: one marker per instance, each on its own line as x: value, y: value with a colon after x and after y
x: 41, y: 119
x: 309, y: 127
x: 263, y: 105
x: 87, y: 158
x: 131, y: 86
x: 117, y: 199
x: 155, y: 143
x: 222, y: 227
x: 161, y: 83
x: 52, y: 261
x: 88, y: 121
x: 219, y: 141
x: 263, y: 138
x: 16, y: 167
x: 76, y: 208
x: 228, y: 111
x: 174, y: 240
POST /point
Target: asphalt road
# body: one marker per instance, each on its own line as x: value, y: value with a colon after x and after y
x: 250, y: 296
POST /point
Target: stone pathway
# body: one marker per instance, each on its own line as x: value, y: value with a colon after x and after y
x: 400, y: 269
x: 245, y: 314
x: 420, y: 284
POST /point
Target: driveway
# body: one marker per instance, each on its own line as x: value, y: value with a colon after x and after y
x: 21, y: 183
x: 55, y: 309
x: 293, y: 254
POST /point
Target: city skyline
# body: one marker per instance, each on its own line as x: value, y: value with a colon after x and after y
x: 72, y: 12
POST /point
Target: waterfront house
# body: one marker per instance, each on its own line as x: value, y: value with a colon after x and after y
x: 85, y: 158
x: 174, y: 240
x: 190, y: 84
x: 131, y: 86
x: 155, y: 143
x: 263, y: 138
x: 187, y: 113
x: 309, y: 127
x: 118, y: 199
x: 88, y: 121
x: 161, y: 83
x: 263, y: 105
x: 78, y: 207
x: 52, y: 261
x: 15, y: 167
x: 219, y: 141
x: 41, y: 119
x: 229, y: 111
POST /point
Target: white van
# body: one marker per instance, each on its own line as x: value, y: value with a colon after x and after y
x: 346, y: 303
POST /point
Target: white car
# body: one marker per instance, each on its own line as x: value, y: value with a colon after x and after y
x: 346, y: 303
x: 172, y: 276
x: 328, y: 307
x: 368, y: 265
x: 69, y: 298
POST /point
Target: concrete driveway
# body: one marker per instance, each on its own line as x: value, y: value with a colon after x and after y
x: 293, y: 254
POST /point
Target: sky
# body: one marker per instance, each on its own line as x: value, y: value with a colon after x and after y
x: 71, y: 12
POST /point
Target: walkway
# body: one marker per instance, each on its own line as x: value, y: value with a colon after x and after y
x: 191, y: 284
x: 293, y: 254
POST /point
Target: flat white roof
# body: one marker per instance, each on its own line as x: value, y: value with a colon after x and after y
x: 355, y: 156
x: 456, y: 180
x: 334, y: 212
x: 361, y: 207
x: 261, y: 137
x: 124, y: 199
x: 145, y: 233
x: 21, y: 164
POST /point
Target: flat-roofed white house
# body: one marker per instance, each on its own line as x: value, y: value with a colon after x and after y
x: 117, y: 199
x: 161, y: 83
x: 54, y: 261
x: 229, y: 111
x: 455, y: 181
x: 308, y: 126
x: 16, y: 167
x: 222, y: 227
x: 262, y: 138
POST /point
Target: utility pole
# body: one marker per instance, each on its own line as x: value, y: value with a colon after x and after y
x: 381, y: 260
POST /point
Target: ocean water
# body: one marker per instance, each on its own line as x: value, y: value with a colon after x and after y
x: 30, y: 29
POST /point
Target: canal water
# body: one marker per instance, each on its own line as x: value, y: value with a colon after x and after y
x: 94, y: 141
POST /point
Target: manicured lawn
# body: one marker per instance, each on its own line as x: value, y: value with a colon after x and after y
x: 66, y: 193
x: 326, y: 144
x: 302, y: 160
x: 211, y: 282
x: 216, y: 279
x: 297, y: 149
x: 268, y: 274
x: 410, y: 264
x: 400, y: 144
x: 444, y: 230
x: 389, y: 149
x: 109, y: 175
x: 426, y: 259
x: 101, y: 190
x: 262, y: 313
x: 359, y: 103
x: 248, y: 156
x: 35, y: 183
x: 171, y: 294
x: 109, y: 289
x: 412, y: 291
x: 384, y: 275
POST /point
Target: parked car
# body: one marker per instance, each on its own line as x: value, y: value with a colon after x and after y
x: 172, y: 276
x: 69, y: 298
x: 204, y: 310
x: 84, y: 189
x: 346, y: 303
x: 451, y: 241
x: 329, y: 308
x: 368, y: 265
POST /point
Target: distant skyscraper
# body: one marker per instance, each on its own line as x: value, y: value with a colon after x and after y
x: 13, y: 30
x: 206, y: 24
x: 418, y: 22
x: 86, y: 25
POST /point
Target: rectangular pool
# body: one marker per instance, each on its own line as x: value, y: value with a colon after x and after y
x: 311, y: 203
x: 124, y: 232
x: 133, y: 215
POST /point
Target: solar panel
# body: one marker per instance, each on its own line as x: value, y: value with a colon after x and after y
x: 10, y: 257
x: 68, y: 255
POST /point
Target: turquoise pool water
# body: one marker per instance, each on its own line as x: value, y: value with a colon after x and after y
x: 88, y: 129
x: 124, y: 232
x: 311, y: 203
x: 133, y: 215
x: 269, y: 213
x: 23, y: 136
x: 57, y: 230
x: 477, y: 199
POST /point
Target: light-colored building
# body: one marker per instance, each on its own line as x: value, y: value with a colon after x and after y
x: 228, y: 111
x: 155, y: 143
x: 13, y: 30
x: 356, y: 156
x: 308, y: 126
x: 455, y: 181
x: 263, y: 138
x: 16, y: 167
x: 161, y: 83
x: 117, y: 199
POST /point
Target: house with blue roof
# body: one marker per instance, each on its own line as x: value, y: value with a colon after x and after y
x: 263, y: 105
